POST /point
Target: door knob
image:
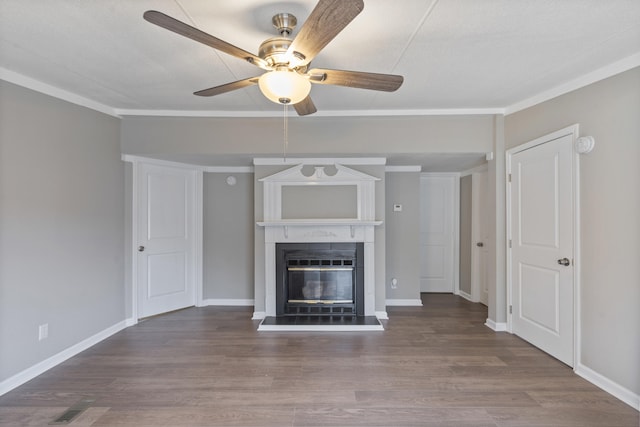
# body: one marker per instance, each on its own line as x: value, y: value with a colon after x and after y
x: 479, y: 244
x: 564, y: 261
x: 141, y: 249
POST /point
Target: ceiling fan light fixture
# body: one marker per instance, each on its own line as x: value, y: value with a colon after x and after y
x: 284, y: 86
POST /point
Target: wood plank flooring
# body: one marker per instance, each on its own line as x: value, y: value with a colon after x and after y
x: 436, y: 365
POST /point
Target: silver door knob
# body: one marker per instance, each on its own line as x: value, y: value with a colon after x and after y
x: 479, y: 244
x: 564, y: 261
x: 140, y: 248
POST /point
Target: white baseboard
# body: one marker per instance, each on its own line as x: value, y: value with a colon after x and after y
x: 466, y: 296
x: 382, y: 315
x: 258, y: 315
x: 404, y: 302
x: 496, y: 326
x: 228, y: 301
x: 41, y: 367
x: 613, y: 388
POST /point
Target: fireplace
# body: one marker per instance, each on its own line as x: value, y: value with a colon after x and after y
x: 319, y: 251
x: 319, y: 279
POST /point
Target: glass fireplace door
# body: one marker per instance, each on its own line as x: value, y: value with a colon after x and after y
x: 320, y: 284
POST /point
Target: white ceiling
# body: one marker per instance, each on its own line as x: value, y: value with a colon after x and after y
x: 456, y: 56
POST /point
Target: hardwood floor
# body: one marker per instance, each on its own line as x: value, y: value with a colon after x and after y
x: 436, y: 365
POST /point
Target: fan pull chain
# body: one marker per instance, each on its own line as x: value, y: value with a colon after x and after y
x: 285, y: 129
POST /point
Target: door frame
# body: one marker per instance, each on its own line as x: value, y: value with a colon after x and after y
x: 478, y: 231
x: 197, y: 248
x: 455, y: 206
x: 573, y: 131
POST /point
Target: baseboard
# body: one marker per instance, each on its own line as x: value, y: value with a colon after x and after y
x: 496, y: 326
x: 404, y: 302
x: 228, y: 301
x: 611, y: 387
x: 466, y: 296
x: 41, y: 367
x: 258, y: 315
x: 382, y: 315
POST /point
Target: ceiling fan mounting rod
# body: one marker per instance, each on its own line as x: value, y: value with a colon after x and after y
x: 284, y: 23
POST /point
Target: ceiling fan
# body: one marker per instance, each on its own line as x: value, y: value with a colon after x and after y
x: 288, y: 79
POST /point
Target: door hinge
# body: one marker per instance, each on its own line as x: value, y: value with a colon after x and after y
x: 509, y: 177
x: 510, y: 244
x: 510, y: 309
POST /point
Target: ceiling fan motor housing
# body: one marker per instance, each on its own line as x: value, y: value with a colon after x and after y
x: 274, y: 51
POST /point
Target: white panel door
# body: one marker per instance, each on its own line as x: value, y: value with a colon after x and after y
x: 542, y: 273
x: 437, y: 233
x: 166, y: 250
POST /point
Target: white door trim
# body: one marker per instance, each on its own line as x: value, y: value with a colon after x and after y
x: 455, y: 247
x: 478, y: 233
x: 136, y: 161
x: 572, y: 130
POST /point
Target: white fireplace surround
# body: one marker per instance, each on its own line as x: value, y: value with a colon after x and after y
x: 293, y: 230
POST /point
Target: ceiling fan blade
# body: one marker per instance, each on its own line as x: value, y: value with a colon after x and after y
x: 217, y: 90
x: 179, y: 27
x: 359, y: 79
x: 327, y: 19
x: 305, y: 107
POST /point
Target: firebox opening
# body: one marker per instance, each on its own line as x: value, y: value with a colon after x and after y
x: 319, y: 279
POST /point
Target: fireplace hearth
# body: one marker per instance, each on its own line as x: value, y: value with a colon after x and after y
x: 319, y: 280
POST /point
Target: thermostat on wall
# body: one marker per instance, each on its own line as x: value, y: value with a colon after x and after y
x: 397, y: 207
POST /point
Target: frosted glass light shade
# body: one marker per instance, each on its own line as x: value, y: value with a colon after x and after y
x: 284, y: 87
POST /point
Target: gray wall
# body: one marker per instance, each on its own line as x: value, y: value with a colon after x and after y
x: 608, y: 110
x: 402, y: 236
x: 465, y: 234
x: 228, y: 236
x: 61, y: 226
x: 211, y: 140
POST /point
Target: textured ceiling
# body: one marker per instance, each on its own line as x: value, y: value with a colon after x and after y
x: 454, y: 54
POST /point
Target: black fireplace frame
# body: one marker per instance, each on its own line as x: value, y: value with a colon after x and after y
x: 319, y: 251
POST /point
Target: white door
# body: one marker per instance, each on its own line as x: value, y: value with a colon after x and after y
x: 480, y: 234
x: 166, y: 263
x: 438, y: 221
x: 541, y: 203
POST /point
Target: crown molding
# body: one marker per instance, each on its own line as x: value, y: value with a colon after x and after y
x: 585, y: 80
x: 56, y: 92
x: 621, y: 66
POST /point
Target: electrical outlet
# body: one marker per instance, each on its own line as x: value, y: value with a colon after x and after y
x: 43, y: 331
x: 394, y: 283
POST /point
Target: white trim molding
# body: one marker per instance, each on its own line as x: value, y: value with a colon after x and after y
x: 465, y: 295
x: 56, y: 92
x: 611, y: 387
x: 228, y: 302
x: 259, y: 315
x: 382, y: 315
x: 496, y: 326
x: 39, y: 368
x: 403, y: 169
x: 404, y: 302
x: 319, y: 161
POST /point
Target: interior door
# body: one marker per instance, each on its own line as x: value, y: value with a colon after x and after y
x: 437, y: 233
x: 542, y: 272
x: 166, y: 241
